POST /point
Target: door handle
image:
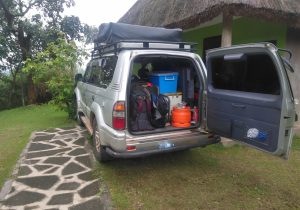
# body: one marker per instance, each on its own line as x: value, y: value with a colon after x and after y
x: 238, y: 106
x: 93, y: 98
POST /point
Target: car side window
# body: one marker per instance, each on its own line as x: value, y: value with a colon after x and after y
x: 108, y: 66
x: 256, y: 73
x: 87, y: 73
x: 95, y: 72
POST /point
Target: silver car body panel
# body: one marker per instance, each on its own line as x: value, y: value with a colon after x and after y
x: 287, y: 115
x: 97, y: 103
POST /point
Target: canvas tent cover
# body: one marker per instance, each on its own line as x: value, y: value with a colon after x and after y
x: 114, y: 32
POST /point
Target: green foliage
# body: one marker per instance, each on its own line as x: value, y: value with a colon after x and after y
x: 90, y: 33
x: 10, y: 97
x: 3, y: 93
x: 55, y: 68
x: 75, y: 30
x: 71, y: 25
x: 26, y: 28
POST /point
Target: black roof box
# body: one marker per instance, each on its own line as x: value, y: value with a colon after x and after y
x: 115, y: 32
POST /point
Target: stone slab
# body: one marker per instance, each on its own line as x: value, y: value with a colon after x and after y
x: 24, y: 198
x: 68, y: 186
x: 57, y: 160
x: 89, y: 190
x: 54, y: 172
x: 46, y: 153
x: 85, y: 160
x: 43, y: 138
x: 39, y: 182
x: 61, y: 199
x: 72, y: 168
x: 39, y: 146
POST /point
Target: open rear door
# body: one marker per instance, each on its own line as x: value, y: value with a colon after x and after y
x: 249, y: 98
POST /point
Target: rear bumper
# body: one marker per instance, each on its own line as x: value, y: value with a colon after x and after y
x: 157, y: 147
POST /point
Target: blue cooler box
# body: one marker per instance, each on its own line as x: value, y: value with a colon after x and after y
x: 165, y: 81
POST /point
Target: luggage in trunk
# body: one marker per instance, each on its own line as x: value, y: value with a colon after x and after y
x: 145, y: 112
x: 186, y: 85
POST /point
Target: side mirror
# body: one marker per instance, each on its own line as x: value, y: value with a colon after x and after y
x: 78, y: 77
x: 103, y: 62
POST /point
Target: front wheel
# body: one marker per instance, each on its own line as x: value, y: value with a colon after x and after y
x: 99, y: 151
x: 77, y: 115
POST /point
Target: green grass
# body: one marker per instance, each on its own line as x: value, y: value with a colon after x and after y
x: 209, y: 178
x: 16, y: 126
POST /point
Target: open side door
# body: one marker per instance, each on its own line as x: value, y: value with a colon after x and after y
x: 249, y: 98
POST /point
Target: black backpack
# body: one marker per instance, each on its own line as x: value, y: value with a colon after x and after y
x: 140, y: 107
x: 160, y: 111
x: 148, y: 111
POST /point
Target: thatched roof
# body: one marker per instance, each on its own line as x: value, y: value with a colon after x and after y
x: 190, y: 13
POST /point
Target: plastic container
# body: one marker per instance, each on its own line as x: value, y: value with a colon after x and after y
x: 165, y: 81
x: 181, y: 116
x: 175, y: 98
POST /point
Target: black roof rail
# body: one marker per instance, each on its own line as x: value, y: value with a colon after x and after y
x: 115, y: 48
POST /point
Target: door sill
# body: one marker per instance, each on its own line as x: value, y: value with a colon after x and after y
x: 87, y: 124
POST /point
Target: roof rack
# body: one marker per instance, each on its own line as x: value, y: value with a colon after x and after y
x: 101, y: 48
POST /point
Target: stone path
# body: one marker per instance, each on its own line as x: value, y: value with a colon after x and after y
x: 54, y: 172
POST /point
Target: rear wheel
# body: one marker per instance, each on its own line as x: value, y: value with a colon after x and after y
x: 99, y: 151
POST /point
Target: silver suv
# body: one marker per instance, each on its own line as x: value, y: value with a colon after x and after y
x: 243, y: 93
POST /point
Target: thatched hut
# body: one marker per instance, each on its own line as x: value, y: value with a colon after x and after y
x: 215, y: 23
x: 191, y: 13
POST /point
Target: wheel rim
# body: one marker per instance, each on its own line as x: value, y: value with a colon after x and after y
x: 97, y: 141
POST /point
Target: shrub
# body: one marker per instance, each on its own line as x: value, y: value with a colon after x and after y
x: 54, y: 68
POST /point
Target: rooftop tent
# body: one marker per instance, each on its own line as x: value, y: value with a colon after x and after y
x: 114, y: 32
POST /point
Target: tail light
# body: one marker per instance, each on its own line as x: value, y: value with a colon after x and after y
x: 131, y: 148
x: 118, y: 116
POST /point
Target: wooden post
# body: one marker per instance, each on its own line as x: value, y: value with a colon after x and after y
x: 227, y: 42
x: 227, y: 30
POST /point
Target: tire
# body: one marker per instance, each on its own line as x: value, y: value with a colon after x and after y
x: 78, y: 120
x: 77, y: 115
x: 99, y: 151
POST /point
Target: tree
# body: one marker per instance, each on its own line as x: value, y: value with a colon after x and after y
x: 11, y: 63
x: 75, y: 30
x: 55, y: 67
x: 72, y: 26
x: 27, y: 31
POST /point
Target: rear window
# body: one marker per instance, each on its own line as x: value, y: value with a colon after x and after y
x: 100, y: 71
x: 108, y: 68
x: 252, y: 73
x: 87, y: 73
